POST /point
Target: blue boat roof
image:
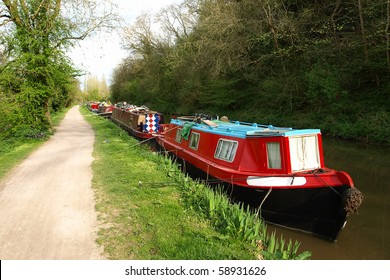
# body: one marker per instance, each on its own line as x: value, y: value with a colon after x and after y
x: 244, y: 130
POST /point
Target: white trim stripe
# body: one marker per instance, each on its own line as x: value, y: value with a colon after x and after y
x: 275, y: 181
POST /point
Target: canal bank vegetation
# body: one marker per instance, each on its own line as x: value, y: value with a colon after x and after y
x: 37, y: 78
x: 148, y: 209
x: 320, y: 64
x: 14, y: 150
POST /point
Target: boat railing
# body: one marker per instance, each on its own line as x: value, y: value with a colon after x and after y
x: 186, y: 118
x: 251, y: 124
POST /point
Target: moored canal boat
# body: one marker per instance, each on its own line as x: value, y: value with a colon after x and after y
x: 93, y: 106
x: 283, y: 167
x: 105, y: 109
x: 140, y: 122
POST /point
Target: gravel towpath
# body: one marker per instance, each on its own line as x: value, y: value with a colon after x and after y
x: 47, y: 208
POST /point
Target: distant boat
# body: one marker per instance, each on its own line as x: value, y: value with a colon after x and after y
x: 284, y: 166
x: 140, y: 122
x: 105, y: 109
x: 93, y: 106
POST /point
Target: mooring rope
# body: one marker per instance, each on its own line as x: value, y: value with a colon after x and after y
x: 261, y: 204
x: 153, y: 137
x: 352, y: 197
x: 323, y: 181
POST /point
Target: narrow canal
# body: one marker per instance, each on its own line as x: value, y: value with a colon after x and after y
x: 366, y: 235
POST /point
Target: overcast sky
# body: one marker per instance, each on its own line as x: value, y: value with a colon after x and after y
x: 101, y: 54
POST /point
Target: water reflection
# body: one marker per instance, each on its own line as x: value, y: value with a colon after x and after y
x: 367, y: 234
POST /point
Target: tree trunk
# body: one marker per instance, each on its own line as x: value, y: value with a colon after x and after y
x: 362, y: 30
x: 47, y: 114
x: 387, y: 31
x: 268, y: 13
x: 335, y: 10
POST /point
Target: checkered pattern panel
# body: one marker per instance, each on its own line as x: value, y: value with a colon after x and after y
x: 152, y: 123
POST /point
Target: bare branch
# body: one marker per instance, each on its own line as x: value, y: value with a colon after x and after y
x: 38, y: 9
x: 387, y: 34
x: 12, y: 12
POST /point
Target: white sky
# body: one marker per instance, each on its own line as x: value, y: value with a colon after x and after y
x: 102, y: 53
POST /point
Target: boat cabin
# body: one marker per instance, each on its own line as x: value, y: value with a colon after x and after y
x: 138, y: 119
x: 251, y: 147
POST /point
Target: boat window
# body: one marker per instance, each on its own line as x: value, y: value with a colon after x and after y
x: 226, y: 150
x: 304, y: 153
x: 179, y: 137
x: 273, y: 153
x: 194, y: 140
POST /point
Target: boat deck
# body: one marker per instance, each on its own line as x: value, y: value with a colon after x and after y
x: 244, y: 130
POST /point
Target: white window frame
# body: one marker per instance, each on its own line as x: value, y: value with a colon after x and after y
x: 179, y: 137
x: 274, y: 155
x: 227, y: 153
x: 193, y: 142
x: 302, y: 157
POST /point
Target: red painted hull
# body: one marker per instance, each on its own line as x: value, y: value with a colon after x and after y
x: 329, y: 177
x: 309, y: 200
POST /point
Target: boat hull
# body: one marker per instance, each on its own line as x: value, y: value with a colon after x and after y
x: 316, y: 209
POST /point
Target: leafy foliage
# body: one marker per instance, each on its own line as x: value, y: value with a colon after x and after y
x: 275, y: 61
x: 36, y: 77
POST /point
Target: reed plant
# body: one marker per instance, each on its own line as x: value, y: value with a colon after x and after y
x: 278, y: 249
x: 232, y: 219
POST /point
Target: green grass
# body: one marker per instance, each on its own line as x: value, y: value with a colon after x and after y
x: 57, y: 117
x: 168, y: 216
x: 148, y: 222
x: 15, y: 150
x: 13, y: 153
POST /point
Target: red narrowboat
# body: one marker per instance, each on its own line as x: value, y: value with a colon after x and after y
x: 140, y: 122
x: 283, y: 167
x: 93, y: 106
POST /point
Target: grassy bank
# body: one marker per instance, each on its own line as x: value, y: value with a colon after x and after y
x: 15, y: 150
x: 168, y: 215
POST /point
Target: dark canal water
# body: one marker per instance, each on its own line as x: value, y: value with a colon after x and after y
x: 366, y: 235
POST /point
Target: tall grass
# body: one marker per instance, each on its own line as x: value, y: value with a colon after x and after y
x: 231, y: 220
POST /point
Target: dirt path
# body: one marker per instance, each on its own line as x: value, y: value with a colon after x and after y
x: 47, y: 204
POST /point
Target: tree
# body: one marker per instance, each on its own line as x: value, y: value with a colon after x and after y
x: 96, y: 89
x: 387, y: 34
x: 287, y: 57
x: 36, y: 34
